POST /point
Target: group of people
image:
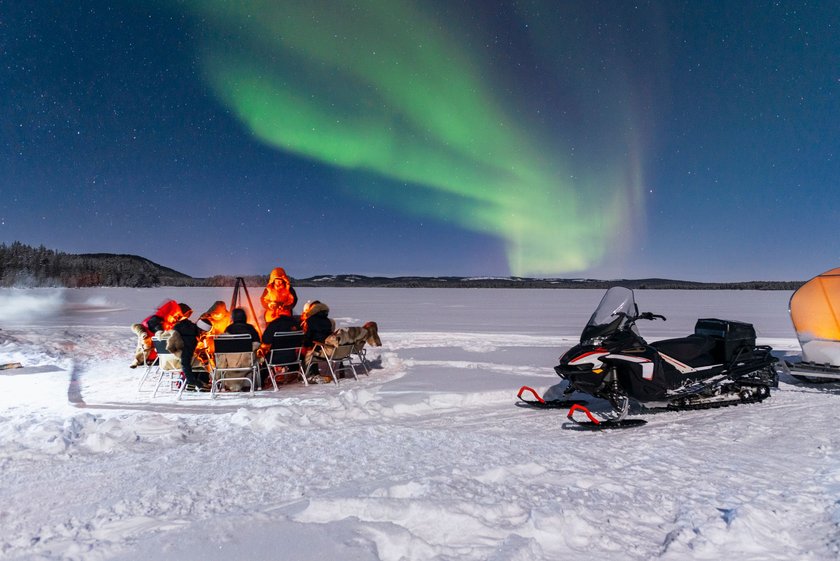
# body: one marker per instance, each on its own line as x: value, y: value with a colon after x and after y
x: 192, y: 341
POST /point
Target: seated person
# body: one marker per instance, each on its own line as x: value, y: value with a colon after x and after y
x: 239, y: 326
x: 164, y: 318
x: 283, y: 324
x: 182, y: 341
x: 144, y: 352
x: 317, y: 326
x: 218, y: 316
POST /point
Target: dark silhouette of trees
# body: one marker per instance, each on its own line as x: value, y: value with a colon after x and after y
x: 22, y: 265
x: 25, y: 266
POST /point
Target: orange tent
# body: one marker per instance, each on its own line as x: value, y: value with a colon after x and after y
x: 815, y: 313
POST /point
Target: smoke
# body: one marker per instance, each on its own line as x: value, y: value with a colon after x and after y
x: 26, y: 305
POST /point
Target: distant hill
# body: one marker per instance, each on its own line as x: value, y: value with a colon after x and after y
x: 22, y: 265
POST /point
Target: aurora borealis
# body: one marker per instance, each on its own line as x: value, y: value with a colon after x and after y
x: 385, y: 88
x: 533, y: 138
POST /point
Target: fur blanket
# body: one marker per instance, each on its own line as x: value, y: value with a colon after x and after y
x: 359, y: 336
x: 143, y: 350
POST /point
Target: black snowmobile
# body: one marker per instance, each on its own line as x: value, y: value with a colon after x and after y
x: 716, y: 366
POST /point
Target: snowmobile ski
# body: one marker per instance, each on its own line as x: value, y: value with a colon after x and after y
x: 601, y: 424
x: 542, y: 403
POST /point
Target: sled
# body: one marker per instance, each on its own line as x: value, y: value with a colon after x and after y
x: 540, y: 403
x: 594, y: 423
x: 812, y: 372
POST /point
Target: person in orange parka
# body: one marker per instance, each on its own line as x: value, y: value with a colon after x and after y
x: 278, y: 298
x: 218, y: 317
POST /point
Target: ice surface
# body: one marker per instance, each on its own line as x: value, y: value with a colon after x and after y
x: 427, y: 458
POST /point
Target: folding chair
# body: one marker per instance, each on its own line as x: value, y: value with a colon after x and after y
x: 150, y: 367
x: 235, y: 361
x: 358, y: 337
x: 168, y: 368
x: 337, y: 358
x: 359, y: 354
x: 285, y: 353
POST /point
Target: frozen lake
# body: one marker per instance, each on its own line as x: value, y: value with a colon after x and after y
x: 427, y: 458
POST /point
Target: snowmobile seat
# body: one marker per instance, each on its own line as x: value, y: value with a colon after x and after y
x: 693, y: 350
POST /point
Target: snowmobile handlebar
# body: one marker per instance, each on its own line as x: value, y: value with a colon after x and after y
x: 650, y: 316
x: 643, y: 315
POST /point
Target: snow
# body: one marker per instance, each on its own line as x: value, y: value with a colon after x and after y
x: 427, y: 458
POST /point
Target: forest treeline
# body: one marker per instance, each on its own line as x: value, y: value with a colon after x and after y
x: 25, y: 266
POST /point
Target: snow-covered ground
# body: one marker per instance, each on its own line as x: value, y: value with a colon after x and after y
x: 427, y: 458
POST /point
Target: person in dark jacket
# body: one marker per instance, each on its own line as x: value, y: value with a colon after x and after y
x: 286, y: 323
x: 190, y: 333
x: 317, y: 325
x: 240, y: 326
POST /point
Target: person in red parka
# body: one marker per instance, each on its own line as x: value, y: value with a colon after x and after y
x: 166, y: 316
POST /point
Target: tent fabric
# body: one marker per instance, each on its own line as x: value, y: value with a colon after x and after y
x: 815, y: 313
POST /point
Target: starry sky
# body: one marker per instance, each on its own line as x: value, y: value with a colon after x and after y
x: 602, y: 139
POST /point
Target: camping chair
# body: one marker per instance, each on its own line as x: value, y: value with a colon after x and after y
x: 337, y: 357
x: 285, y: 353
x: 168, y: 368
x: 235, y: 362
x: 359, y: 354
x: 150, y: 367
x: 358, y: 336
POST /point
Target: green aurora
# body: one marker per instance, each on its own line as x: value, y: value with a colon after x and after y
x: 385, y: 88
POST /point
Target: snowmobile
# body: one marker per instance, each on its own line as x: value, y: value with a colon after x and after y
x: 718, y: 365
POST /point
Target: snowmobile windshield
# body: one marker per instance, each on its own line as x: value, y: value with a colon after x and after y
x: 609, y: 315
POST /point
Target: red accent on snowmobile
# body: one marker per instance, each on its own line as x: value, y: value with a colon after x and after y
x: 541, y: 403
x: 524, y: 388
x: 588, y: 413
x: 596, y: 351
x: 594, y: 424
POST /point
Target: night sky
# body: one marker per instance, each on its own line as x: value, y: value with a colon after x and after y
x: 692, y: 140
